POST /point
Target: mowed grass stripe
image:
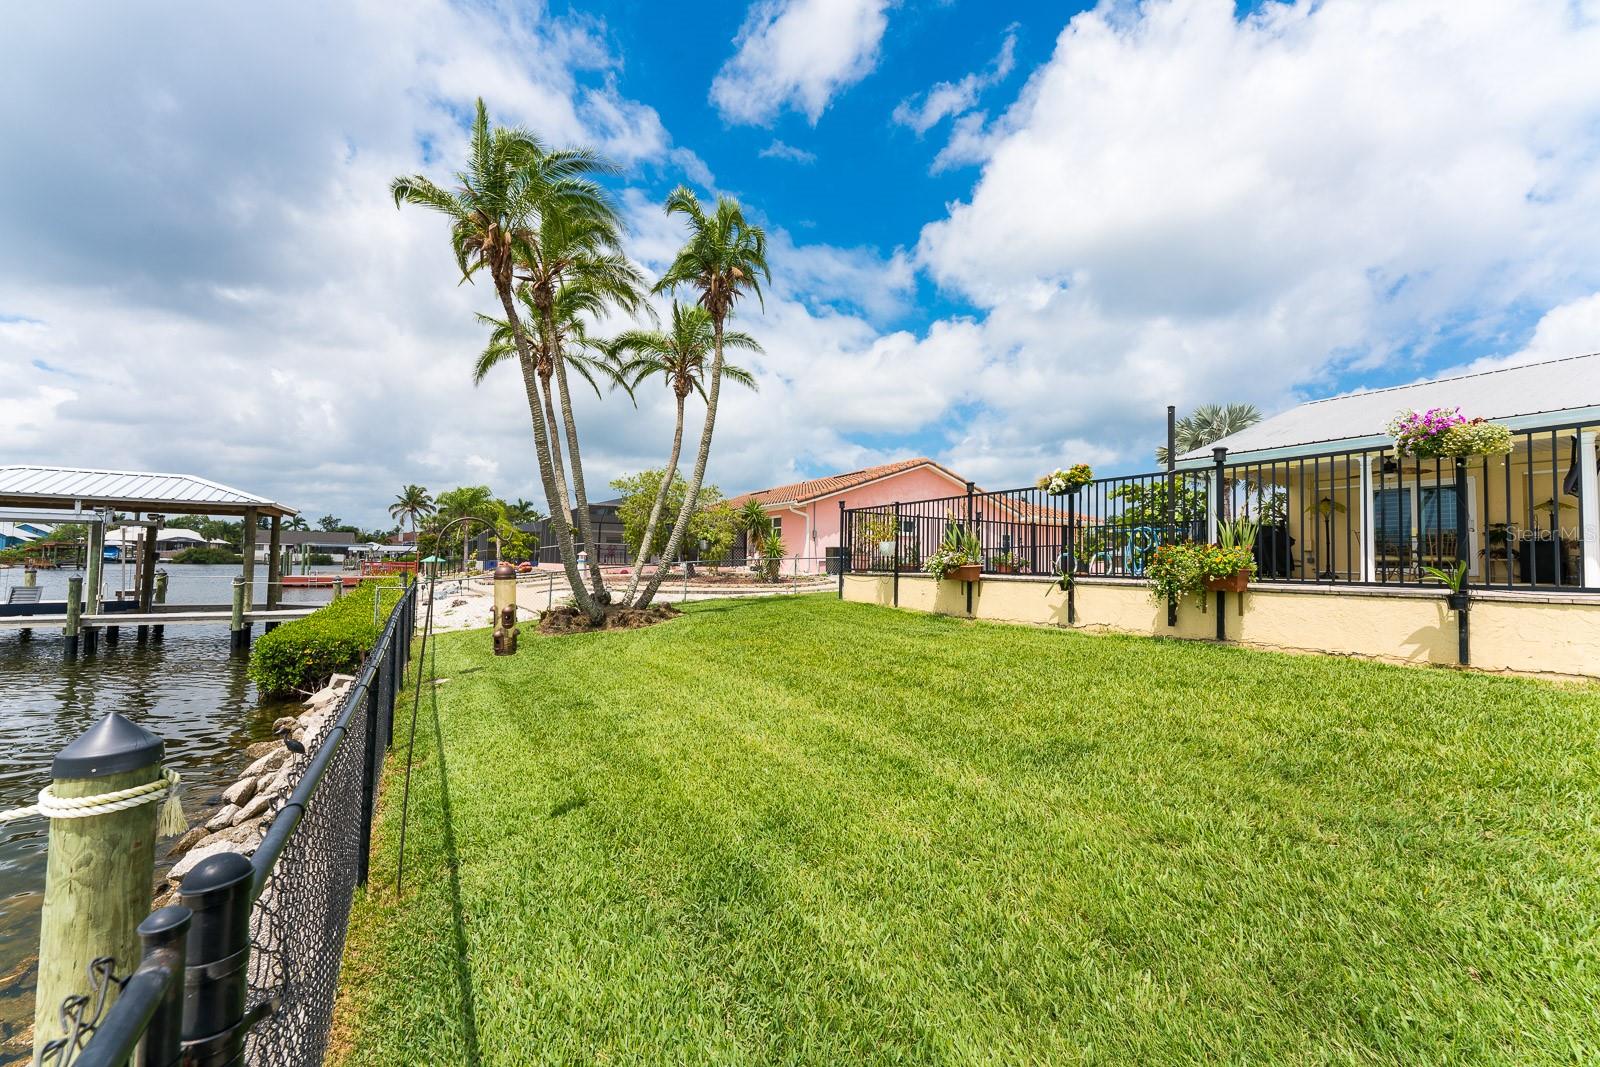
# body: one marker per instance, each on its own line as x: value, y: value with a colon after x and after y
x: 800, y: 831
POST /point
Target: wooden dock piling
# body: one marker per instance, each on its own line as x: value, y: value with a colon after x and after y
x: 99, y: 868
x: 74, y: 609
x: 238, y: 629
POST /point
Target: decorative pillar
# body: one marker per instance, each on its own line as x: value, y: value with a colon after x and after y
x: 505, y: 609
x: 1369, y: 543
x: 1589, y: 508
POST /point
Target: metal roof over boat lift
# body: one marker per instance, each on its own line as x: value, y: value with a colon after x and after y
x: 83, y: 489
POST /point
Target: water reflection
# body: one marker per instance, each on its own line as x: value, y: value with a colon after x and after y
x: 186, y: 687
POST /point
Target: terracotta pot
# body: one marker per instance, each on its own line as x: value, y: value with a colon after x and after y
x: 1233, y: 583
x: 967, y: 572
x: 1005, y: 568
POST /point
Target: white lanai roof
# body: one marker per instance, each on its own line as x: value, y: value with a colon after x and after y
x: 1529, y: 395
x: 71, y: 487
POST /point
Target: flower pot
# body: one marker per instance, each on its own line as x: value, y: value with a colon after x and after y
x: 1005, y: 568
x: 1457, y: 601
x: 967, y: 572
x: 1233, y: 583
x: 885, y: 548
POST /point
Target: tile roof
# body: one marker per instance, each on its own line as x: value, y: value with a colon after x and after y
x: 816, y: 488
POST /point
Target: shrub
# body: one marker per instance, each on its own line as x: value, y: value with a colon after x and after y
x: 206, y: 554
x: 334, y: 639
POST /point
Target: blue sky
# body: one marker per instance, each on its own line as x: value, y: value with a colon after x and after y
x: 1003, y: 235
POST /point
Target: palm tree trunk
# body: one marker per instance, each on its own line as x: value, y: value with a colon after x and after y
x: 662, y: 490
x: 691, y: 498
x: 585, y: 526
x: 554, y: 497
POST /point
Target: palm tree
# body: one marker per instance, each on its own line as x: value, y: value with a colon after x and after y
x: 679, y: 356
x: 756, y: 524
x: 469, y: 502
x: 576, y: 267
x: 1208, y: 424
x: 297, y: 523
x: 413, y: 503
x: 724, y: 258
x: 593, y: 284
x: 511, y: 182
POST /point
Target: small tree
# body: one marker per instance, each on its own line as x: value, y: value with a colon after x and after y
x: 639, y: 493
x: 715, y: 528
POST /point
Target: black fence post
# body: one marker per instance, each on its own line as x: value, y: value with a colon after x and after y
x: 1069, y: 557
x: 165, y: 935
x: 972, y: 531
x: 1172, y: 499
x: 1463, y: 644
x: 217, y: 958
x: 371, y: 754
x: 843, y: 555
x: 1219, y: 457
x: 896, y: 579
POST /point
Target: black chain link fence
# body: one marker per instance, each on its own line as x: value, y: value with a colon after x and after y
x: 298, y: 924
x: 246, y: 968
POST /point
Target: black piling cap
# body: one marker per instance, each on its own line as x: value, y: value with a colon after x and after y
x: 111, y: 746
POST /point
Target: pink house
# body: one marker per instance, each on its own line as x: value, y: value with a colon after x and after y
x: 806, y: 514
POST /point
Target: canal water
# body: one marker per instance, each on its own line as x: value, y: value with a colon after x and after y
x: 186, y: 688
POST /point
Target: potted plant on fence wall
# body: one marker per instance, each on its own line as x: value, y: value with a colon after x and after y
x: 1190, y: 567
x: 1454, y: 579
x: 1229, y: 564
x: 1008, y: 563
x: 880, y: 528
x: 958, y: 557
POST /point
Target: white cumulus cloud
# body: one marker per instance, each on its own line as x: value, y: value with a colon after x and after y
x: 798, y: 54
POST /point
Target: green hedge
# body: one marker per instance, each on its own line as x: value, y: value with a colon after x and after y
x: 334, y: 639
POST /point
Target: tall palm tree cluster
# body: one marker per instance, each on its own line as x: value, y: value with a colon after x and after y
x: 538, y: 222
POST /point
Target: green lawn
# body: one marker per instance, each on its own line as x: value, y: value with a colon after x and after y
x: 802, y: 831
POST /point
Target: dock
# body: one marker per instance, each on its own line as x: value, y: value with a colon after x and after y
x: 192, y: 616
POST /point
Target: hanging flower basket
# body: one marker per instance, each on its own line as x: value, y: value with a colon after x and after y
x: 1445, y: 433
x: 1066, y: 482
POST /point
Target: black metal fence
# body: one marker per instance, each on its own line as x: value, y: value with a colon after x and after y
x: 244, y: 968
x: 1109, y: 527
x: 1360, y: 516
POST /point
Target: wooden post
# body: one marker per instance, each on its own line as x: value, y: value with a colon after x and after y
x: 95, y: 564
x: 74, y: 607
x: 275, y: 563
x: 30, y: 578
x: 248, y: 565
x: 338, y: 586
x: 159, y: 632
x: 147, y: 569
x: 238, y: 635
x: 98, y: 868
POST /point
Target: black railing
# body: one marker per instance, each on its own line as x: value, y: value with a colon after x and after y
x: 1358, y: 516
x: 244, y: 969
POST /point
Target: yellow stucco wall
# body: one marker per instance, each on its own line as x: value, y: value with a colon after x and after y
x: 1519, y: 635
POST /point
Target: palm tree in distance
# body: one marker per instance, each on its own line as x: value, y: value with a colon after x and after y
x: 510, y: 183
x: 679, y: 356
x: 413, y: 504
x: 297, y: 523
x: 1208, y: 424
x: 724, y: 258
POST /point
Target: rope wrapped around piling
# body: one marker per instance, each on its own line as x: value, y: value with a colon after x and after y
x: 165, y: 788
